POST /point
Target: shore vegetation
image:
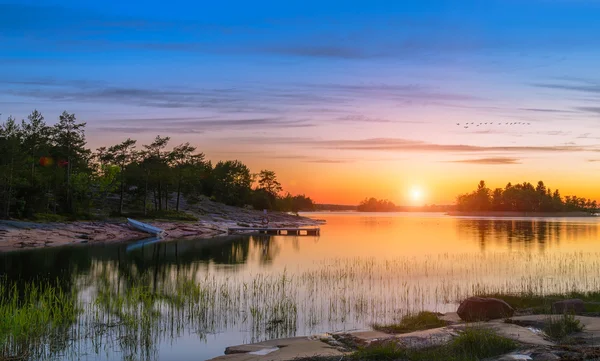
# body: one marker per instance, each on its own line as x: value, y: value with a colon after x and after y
x: 47, y: 171
x: 522, y: 197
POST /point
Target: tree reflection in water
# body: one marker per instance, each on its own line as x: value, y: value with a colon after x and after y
x: 523, y: 232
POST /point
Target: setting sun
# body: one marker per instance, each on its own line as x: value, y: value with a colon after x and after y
x: 416, y: 194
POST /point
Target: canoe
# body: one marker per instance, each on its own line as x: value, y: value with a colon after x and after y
x: 145, y: 227
x: 142, y: 243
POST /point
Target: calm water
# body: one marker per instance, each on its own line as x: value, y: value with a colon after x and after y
x: 363, y: 268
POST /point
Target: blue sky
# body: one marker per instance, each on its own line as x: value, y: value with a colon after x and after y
x: 338, y: 85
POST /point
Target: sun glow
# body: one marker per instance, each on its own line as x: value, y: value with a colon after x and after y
x: 416, y: 194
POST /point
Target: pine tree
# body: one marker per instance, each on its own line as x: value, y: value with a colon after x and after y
x: 70, y: 152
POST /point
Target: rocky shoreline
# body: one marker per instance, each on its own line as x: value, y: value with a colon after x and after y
x: 528, y: 334
x: 213, y: 220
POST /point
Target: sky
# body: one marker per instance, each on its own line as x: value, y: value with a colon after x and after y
x: 342, y: 99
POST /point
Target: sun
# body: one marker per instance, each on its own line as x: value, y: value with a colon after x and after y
x: 416, y: 194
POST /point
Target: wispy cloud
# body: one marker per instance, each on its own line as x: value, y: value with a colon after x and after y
x: 397, y: 144
x: 201, y: 126
x: 582, y: 87
x: 361, y: 118
x: 595, y: 110
x: 488, y: 161
x: 547, y: 110
x: 409, y: 145
x: 322, y: 103
x: 323, y: 51
x: 327, y: 161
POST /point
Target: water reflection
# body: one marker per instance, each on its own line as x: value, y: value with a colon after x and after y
x: 524, y: 233
x: 210, y: 294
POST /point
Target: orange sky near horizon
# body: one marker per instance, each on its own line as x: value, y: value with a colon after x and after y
x: 387, y: 175
x: 329, y: 174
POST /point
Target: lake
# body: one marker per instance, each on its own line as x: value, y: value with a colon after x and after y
x: 190, y: 299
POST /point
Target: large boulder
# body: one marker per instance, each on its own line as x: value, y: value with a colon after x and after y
x: 483, y: 309
x: 575, y: 306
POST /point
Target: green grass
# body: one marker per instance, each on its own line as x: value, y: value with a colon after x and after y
x: 424, y: 320
x: 471, y: 345
x: 560, y: 327
x: 479, y: 343
x: 49, y: 218
x: 33, y: 316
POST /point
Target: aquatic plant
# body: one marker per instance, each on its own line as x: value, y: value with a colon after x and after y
x: 132, y: 308
x: 35, y: 319
x: 559, y: 327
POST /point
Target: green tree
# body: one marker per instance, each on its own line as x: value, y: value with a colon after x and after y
x: 122, y: 155
x: 267, y: 180
x: 232, y: 182
x: 156, y: 164
x: 10, y: 148
x: 70, y: 152
x: 187, y: 165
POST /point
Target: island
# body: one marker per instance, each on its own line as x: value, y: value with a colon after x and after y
x: 522, y: 199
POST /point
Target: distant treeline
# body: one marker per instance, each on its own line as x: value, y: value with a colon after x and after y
x: 376, y: 205
x: 522, y: 197
x: 334, y: 207
x: 49, y: 169
x: 384, y: 205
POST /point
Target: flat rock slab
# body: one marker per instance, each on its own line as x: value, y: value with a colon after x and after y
x: 279, y: 350
x: 451, y: 318
x: 518, y: 333
x: 591, y: 326
x: 362, y: 338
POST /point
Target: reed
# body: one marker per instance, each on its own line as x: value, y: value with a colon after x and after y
x: 129, y: 309
x: 35, y: 318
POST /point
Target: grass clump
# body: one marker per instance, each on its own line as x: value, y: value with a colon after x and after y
x: 471, y: 345
x: 479, y: 343
x: 423, y: 320
x: 33, y: 317
x: 49, y: 218
x: 560, y: 327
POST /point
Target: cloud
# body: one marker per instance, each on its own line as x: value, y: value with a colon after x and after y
x: 360, y: 118
x: 184, y: 125
x: 327, y: 161
x: 554, y: 133
x: 409, y: 145
x: 392, y: 91
x: 546, y: 110
x: 587, y: 88
x: 489, y: 161
x: 595, y: 110
x: 153, y: 130
x: 251, y: 99
x: 322, y: 51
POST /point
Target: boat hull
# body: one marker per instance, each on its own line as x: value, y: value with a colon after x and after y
x: 145, y: 227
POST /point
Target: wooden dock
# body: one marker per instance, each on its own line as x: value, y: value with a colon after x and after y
x: 276, y: 231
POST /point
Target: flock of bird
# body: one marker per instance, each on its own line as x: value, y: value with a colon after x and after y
x: 466, y: 125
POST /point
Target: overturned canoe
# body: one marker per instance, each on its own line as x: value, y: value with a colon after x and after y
x: 145, y: 227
